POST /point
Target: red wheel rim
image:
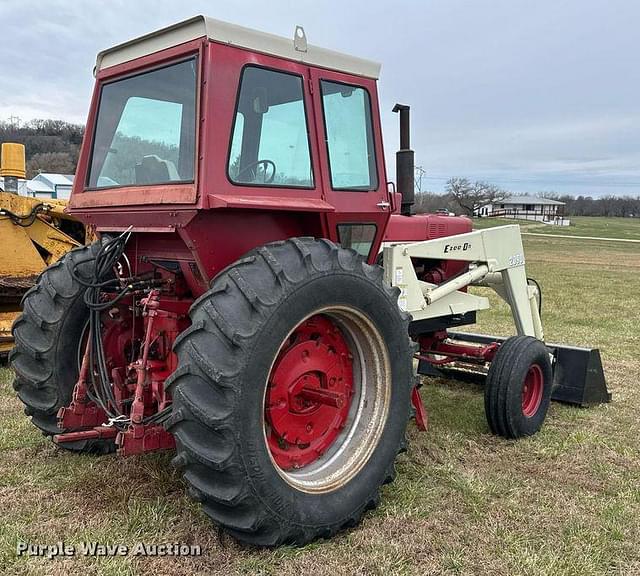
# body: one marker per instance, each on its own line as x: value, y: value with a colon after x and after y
x: 532, y: 391
x: 309, y: 393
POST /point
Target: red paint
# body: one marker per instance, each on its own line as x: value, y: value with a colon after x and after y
x: 81, y: 413
x: 352, y: 206
x: 422, y: 418
x: 532, y: 391
x: 138, y: 439
x: 437, y: 349
x: 132, y: 195
x: 217, y: 238
x: 97, y: 433
x: 309, y: 393
x: 425, y: 227
x: 141, y: 366
x: 428, y: 227
x: 269, y: 203
x: 212, y: 191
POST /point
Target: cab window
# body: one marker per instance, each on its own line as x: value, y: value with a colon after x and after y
x: 270, y: 138
x: 358, y: 237
x: 146, y: 129
x: 349, y: 136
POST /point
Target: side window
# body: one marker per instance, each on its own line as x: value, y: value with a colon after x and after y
x: 270, y: 139
x: 359, y: 237
x: 349, y: 135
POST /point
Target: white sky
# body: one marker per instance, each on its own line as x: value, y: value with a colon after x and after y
x: 535, y: 96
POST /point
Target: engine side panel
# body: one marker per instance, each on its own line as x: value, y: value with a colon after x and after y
x: 428, y: 227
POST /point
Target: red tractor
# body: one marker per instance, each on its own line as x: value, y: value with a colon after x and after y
x: 238, y: 307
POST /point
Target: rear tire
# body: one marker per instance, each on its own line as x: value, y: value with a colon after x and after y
x: 47, y: 335
x: 242, y: 331
x: 518, y: 387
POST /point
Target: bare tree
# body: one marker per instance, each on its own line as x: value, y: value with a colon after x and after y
x: 471, y: 196
x: 430, y: 202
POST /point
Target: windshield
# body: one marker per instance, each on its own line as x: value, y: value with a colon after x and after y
x: 145, y: 129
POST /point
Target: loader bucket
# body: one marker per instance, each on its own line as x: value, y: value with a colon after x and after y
x: 578, y: 376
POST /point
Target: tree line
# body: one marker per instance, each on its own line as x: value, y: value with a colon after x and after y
x: 462, y: 196
x: 623, y: 206
x: 50, y: 145
x: 54, y: 146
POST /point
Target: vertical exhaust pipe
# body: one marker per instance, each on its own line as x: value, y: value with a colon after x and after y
x: 405, y: 162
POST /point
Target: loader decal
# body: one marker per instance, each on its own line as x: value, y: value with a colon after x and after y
x: 457, y: 247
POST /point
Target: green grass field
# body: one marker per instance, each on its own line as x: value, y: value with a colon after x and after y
x: 566, y: 501
x: 598, y: 227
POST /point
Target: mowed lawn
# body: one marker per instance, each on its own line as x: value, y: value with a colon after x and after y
x: 595, y: 226
x: 566, y: 501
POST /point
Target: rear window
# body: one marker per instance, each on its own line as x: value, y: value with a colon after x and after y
x: 146, y: 129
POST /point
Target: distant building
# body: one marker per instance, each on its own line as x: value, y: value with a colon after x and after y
x: 60, y: 184
x: 526, y: 208
x: 36, y: 188
x: 45, y: 186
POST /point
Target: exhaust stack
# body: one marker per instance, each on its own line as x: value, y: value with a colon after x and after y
x: 405, y: 162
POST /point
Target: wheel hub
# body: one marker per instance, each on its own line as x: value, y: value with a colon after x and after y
x: 532, y: 391
x: 309, y: 393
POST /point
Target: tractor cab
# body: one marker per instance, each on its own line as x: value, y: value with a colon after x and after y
x: 197, y: 121
x: 202, y: 119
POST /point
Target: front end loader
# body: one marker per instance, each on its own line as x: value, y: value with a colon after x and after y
x: 235, y: 307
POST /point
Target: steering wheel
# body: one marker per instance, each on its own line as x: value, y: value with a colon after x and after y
x: 266, y: 163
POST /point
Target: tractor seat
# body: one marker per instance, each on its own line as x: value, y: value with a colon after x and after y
x: 155, y: 170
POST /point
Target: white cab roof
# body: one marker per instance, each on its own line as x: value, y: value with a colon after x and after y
x: 226, y: 33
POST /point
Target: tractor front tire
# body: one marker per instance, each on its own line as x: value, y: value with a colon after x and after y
x: 47, y: 336
x: 291, y: 396
x: 518, y: 387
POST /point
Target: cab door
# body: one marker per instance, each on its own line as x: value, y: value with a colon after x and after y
x: 351, y: 158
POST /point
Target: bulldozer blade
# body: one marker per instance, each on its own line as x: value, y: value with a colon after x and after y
x: 578, y: 376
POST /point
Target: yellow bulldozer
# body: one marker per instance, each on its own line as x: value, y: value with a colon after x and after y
x: 34, y: 233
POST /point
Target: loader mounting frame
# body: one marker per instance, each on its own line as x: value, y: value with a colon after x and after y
x: 496, y: 258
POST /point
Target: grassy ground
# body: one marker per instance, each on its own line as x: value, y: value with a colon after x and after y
x: 599, y: 227
x: 566, y: 501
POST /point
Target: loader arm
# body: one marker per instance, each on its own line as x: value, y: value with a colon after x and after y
x: 496, y: 258
x: 497, y: 261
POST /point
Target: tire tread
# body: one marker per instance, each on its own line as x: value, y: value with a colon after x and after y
x: 247, y: 299
x: 35, y: 356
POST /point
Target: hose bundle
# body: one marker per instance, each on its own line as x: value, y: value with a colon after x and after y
x: 103, y: 279
x: 24, y: 221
